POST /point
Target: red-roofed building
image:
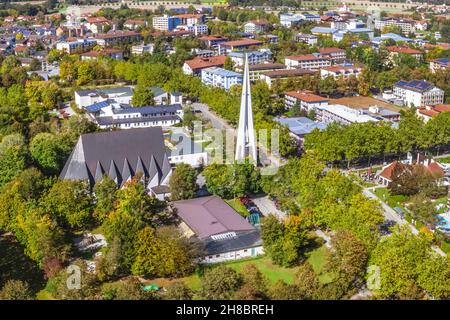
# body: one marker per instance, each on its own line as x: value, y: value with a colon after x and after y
x: 111, y: 53
x: 428, y: 112
x: 340, y: 71
x: 394, y: 51
x: 195, y: 66
x: 213, y: 41
x: 190, y: 18
x: 430, y: 166
x: 336, y: 55
x: 238, y: 45
x: 307, y: 61
x: 305, y: 99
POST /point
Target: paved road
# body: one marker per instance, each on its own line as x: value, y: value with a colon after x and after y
x: 220, y: 123
x: 391, y: 214
x: 267, y: 207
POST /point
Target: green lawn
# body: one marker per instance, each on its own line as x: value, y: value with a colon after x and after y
x: 238, y: 206
x: 393, y: 201
x: 444, y: 160
x: 317, y: 260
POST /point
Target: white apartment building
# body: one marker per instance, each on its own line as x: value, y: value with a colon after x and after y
x: 79, y: 46
x: 195, y: 29
x: 256, y: 26
x: 222, y: 78
x: 165, y: 22
x: 342, y: 114
x: 306, y: 100
x: 407, y: 26
x: 309, y: 39
x: 308, y: 61
x: 418, y: 93
x: 142, y: 48
x: 340, y: 71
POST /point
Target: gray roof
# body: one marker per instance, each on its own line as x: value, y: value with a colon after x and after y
x: 208, y: 216
x: 107, y: 121
x: 244, y: 240
x: 120, y: 154
x: 301, y: 125
x: 147, y: 109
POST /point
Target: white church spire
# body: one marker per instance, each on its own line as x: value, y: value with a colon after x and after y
x: 245, y: 144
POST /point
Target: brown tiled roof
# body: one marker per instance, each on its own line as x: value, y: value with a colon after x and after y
x: 260, y: 22
x: 330, y: 50
x: 442, y: 107
x: 305, y: 96
x: 266, y: 66
x: 212, y: 37
x: 389, y: 170
x: 288, y: 73
x: 242, y: 42
x: 401, y: 49
x: 97, y: 19
x: 201, y: 63
x: 341, y: 68
x: 117, y: 34
x: 189, y: 16
x: 306, y: 57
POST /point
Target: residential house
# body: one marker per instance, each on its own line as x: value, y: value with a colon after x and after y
x: 336, y: 55
x: 133, y: 24
x: 429, y: 112
x: 117, y: 37
x: 107, y: 52
x: 290, y: 20
x: 78, y: 46
x: 394, y: 51
x: 439, y: 64
x: 309, y: 39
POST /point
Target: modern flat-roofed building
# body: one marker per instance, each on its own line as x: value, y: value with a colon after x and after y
x: 306, y: 100
x: 165, y: 22
x: 307, y: 61
x: 84, y: 98
x: 407, y: 26
x: 222, y: 78
x: 301, y: 126
x: 224, y: 234
x: 142, y: 48
x: 342, y: 114
x: 213, y: 41
x: 418, y: 93
x: 289, y: 20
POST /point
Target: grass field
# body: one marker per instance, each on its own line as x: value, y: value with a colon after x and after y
x: 317, y: 261
x: 444, y: 160
x: 393, y: 201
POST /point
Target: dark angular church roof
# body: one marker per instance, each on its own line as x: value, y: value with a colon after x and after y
x: 119, y: 154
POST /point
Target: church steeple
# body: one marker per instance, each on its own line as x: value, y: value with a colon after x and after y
x: 245, y: 144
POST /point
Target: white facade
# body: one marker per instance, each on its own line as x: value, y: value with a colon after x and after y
x: 219, y: 77
x: 309, y: 62
x: 88, y: 97
x: 309, y: 39
x: 305, y: 103
x: 340, y: 71
x: 234, y: 255
x: 252, y: 27
x: 81, y: 45
x: 406, y: 25
x: 342, y: 114
x: 411, y: 98
x: 142, y: 48
x: 195, y: 29
x: 289, y: 20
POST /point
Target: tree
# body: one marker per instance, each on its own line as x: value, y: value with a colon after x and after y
x: 13, y: 157
x: 228, y: 65
x: 142, y: 96
x: 283, y: 291
x: 70, y: 202
x: 220, y: 283
x: 183, y: 182
x: 165, y: 253
x: 255, y: 285
x: 422, y: 208
x: 128, y: 289
x: 47, y: 151
x: 15, y: 290
x: 105, y: 197
x: 178, y: 291
x: 307, y: 282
